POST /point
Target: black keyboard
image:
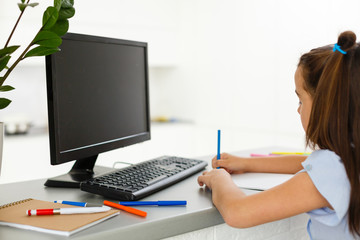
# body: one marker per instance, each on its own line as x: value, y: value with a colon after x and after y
x: 142, y: 179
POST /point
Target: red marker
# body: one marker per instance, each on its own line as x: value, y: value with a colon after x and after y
x: 127, y: 209
x: 58, y: 211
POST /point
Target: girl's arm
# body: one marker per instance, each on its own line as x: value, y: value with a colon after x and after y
x: 297, y: 195
x: 275, y: 164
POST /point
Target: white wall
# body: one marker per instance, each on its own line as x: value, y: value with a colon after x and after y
x: 225, y: 64
x: 246, y: 56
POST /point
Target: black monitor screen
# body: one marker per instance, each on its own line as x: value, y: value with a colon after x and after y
x: 97, y: 96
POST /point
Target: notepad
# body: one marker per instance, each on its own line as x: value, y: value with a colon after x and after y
x: 14, y: 215
x: 260, y: 181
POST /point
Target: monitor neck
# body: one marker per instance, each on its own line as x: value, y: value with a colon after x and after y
x: 82, y: 170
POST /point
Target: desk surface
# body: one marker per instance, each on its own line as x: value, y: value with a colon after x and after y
x: 160, y: 222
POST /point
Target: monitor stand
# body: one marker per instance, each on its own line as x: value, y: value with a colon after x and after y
x: 82, y: 170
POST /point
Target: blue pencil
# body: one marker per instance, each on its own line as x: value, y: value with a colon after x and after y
x: 158, y: 203
x: 218, y: 146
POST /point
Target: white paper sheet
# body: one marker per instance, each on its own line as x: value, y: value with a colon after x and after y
x: 260, y: 181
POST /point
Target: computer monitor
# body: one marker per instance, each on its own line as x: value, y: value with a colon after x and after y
x: 98, y: 100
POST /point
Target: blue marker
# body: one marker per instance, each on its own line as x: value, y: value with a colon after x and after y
x: 158, y: 203
x: 218, y: 146
x: 79, y: 204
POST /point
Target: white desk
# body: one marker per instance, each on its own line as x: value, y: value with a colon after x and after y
x: 198, y: 220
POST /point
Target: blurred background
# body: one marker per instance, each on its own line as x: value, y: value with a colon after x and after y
x: 214, y: 64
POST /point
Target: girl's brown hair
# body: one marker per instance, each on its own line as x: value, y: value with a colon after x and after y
x: 333, y: 80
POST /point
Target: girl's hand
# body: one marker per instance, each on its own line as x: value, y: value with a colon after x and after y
x: 215, y: 177
x: 231, y: 163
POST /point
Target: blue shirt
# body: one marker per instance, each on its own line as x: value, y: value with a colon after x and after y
x: 328, y: 174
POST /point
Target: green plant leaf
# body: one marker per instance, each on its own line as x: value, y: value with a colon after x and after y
x: 8, y: 50
x: 60, y: 28
x: 47, y: 39
x: 50, y: 43
x: 44, y: 35
x: 57, y: 4
x: 50, y: 17
x: 6, y: 88
x: 66, y: 13
x: 4, y: 102
x: 4, y: 61
x: 41, y: 51
x: 23, y: 5
x: 67, y: 3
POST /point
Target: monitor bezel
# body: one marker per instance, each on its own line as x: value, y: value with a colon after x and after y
x: 58, y: 157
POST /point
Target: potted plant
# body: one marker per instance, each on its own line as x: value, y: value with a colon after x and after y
x: 46, y: 41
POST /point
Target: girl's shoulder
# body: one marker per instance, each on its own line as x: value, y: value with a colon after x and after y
x: 328, y: 174
x: 325, y: 168
x: 323, y: 159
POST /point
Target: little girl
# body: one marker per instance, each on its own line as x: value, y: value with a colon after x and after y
x: 326, y: 184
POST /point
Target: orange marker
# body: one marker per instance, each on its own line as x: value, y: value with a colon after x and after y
x: 127, y: 209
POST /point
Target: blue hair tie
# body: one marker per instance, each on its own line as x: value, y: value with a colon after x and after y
x: 337, y: 47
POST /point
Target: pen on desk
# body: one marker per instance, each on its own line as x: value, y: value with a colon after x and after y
x: 79, y: 204
x: 290, y: 153
x: 218, y: 146
x: 125, y: 208
x: 260, y: 155
x: 58, y: 211
x: 158, y: 203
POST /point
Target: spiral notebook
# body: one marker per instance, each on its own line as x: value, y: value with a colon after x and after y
x: 14, y: 215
